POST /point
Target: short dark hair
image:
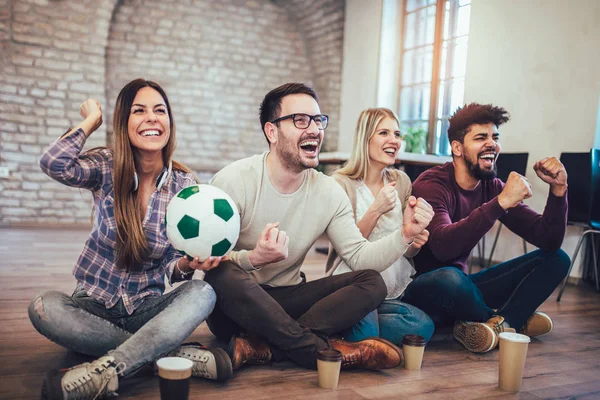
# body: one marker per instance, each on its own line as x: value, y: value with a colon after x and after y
x: 271, y: 104
x: 471, y: 114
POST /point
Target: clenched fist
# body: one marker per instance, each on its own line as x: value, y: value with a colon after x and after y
x: 553, y: 172
x: 417, y: 215
x: 92, y: 110
x: 272, y: 246
x: 385, y: 199
x: 516, y: 189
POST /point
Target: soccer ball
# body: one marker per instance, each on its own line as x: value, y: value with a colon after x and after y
x: 202, y: 221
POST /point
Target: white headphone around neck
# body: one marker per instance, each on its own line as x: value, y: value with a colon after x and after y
x: 163, y: 177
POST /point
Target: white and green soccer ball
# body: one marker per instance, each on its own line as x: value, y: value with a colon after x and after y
x: 202, y: 221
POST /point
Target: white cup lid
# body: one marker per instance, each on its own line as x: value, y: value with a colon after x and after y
x: 515, y: 337
x: 175, y: 363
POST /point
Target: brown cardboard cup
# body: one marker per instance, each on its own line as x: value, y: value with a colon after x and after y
x: 174, y: 375
x: 329, y: 363
x: 413, y: 347
x: 513, y: 352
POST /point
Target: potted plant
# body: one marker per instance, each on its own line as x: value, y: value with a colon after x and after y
x: 416, y: 140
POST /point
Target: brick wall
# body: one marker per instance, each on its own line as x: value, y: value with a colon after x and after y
x: 216, y: 60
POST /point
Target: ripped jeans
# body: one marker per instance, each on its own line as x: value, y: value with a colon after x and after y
x: 83, y: 324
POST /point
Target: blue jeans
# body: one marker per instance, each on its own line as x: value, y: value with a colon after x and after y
x: 83, y: 324
x: 515, y: 288
x: 392, y: 320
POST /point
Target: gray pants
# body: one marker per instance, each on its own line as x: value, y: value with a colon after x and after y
x: 83, y: 324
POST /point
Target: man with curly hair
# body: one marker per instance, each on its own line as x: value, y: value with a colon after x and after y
x: 468, y: 199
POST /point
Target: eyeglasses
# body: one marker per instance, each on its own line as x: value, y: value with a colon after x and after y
x: 302, y: 121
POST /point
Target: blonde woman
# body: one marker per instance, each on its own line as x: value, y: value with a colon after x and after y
x: 379, y: 194
x: 118, y: 311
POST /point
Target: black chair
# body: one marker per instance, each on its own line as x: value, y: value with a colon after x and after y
x: 506, y: 163
x: 584, y: 201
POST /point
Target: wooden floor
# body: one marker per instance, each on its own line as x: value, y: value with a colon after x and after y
x: 564, y: 364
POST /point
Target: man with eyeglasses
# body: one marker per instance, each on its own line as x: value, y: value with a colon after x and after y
x: 285, y: 206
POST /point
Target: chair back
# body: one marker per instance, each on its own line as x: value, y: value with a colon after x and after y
x: 595, y: 197
x: 508, y: 162
x: 580, y: 190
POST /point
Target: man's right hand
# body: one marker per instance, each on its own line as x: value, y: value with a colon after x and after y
x: 91, y: 111
x: 516, y: 189
x: 272, y: 246
x: 417, y: 215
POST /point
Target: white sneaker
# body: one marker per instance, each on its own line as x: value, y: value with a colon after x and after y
x: 212, y: 363
x: 86, y: 381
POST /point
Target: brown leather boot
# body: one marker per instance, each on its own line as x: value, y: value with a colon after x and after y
x: 249, y: 350
x: 372, y: 353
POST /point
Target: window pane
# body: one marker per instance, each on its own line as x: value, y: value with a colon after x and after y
x: 451, y: 96
x: 458, y: 95
x: 412, y: 5
x: 420, y: 28
x: 414, y: 103
x: 417, y: 65
x: 442, y: 147
x: 458, y: 57
x: 464, y: 17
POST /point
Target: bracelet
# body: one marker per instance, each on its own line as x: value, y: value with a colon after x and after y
x: 183, y: 274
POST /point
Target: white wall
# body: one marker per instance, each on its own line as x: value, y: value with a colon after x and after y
x: 539, y: 59
x: 362, y: 35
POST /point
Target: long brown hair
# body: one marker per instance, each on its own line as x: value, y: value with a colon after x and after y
x: 358, y: 164
x: 132, y: 245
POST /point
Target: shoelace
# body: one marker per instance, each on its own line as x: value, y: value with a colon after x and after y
x: 200, y: 365
x: 84, y: 386
x: 350, y: 359
x: 497, y: 327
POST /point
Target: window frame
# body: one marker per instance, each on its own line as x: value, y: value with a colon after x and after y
x: 437, y: 67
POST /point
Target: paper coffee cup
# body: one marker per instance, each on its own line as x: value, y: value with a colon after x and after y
x: 329, y: 363
x: 413, y: 347
x: 174, y: 375
x: 513, y: 353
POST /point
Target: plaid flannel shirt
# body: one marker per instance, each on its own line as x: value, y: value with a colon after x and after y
x: 96, y: 270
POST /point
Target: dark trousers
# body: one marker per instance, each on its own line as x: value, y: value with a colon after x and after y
x: 295, y: 320
x: 515, y: 288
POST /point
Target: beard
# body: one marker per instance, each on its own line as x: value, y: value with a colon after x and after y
x: 477, y: 172
x: 289, y: 154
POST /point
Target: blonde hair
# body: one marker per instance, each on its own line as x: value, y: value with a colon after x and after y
x: 132, y: 245
x: 358, y: 164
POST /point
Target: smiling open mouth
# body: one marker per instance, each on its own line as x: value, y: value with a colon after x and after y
x: 390, y: 151
x: 488, y: 159
x: 151, y: 132
x: 310, y: 146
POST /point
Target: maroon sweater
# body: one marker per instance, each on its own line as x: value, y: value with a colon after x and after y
x: 462, y: 217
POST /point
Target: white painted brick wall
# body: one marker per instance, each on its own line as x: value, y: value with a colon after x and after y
x: 216, y: 60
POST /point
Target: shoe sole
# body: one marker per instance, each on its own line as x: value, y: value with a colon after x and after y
x: 51, y: 388
x: 469, y: 339
x: 231, y: 353
x: 224, y: 365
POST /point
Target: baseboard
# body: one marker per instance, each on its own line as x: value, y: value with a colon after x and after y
x: 574, y: 280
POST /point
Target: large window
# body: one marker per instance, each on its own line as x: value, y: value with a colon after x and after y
x: 434, y: 55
